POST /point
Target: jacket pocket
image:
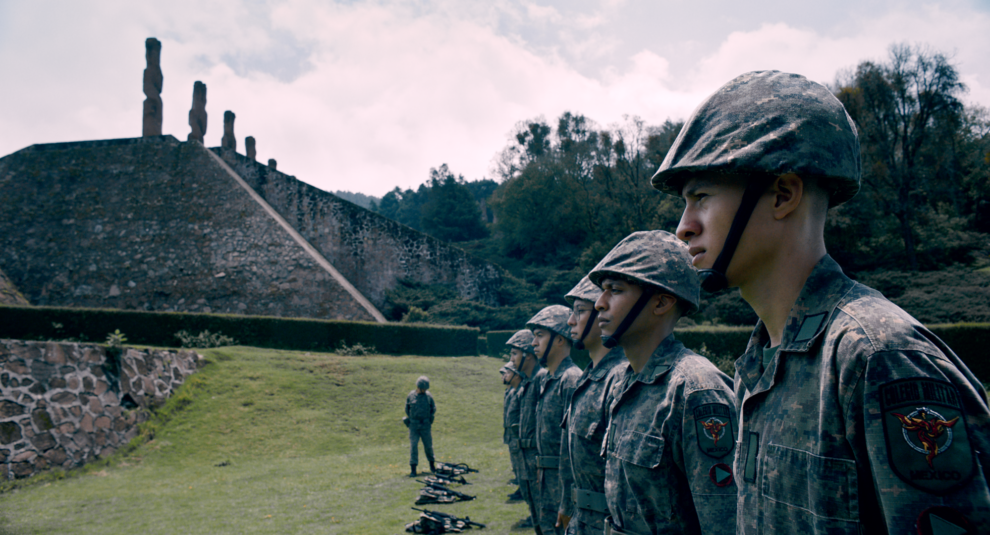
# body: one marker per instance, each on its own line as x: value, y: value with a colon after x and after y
x: 808, y: 492
x: 640, y: 449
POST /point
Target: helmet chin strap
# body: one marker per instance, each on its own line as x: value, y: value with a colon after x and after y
x: 579, y: 344
x: 714, y: 279
x: 644, y: 298
x: 546, y: 354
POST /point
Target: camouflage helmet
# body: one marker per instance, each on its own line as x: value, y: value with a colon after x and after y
x: 423, y: 383
x: 654, y: 258
x: 585, y: 290
x: 768, y: 123
x: 523, y: 341
x: 508, y: 367
x: 554, y: 319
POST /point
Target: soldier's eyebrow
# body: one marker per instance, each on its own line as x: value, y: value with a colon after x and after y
x: 696, y: 184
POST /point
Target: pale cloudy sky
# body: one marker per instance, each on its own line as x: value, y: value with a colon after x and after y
x: 366, y: 96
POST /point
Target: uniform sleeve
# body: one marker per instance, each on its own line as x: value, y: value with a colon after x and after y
x: 566, y: 473
x: 706, y: 451
x: 922, y: 425
x: 407, y: 405
x: 433, y: 409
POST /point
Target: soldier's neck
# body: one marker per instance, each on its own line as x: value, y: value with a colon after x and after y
x: 773, y: 292
x: 596, y: 350
x: 639, y: 345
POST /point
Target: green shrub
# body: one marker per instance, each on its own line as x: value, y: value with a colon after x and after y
x: 159, y: 328
x: 496, y: 342
x: 205, y: 339
x: 356, y: 350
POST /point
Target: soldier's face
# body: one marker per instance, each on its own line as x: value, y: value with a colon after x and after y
x: 541, y: 338
x: 710, y: 206
x: 516, y: 357
x: 580, y: 315
x: 618, y: 297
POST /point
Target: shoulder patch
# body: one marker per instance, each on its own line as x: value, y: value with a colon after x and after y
x: 713, y: 423
x: 925, y: 431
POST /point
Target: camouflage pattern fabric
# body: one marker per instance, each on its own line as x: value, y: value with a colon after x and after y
x: 768, y: 122
x: 511, y: 436
x: 585, y: 290
x: 522, y: 340
x: 554, y: 319
x: 585, y: 420
x: 863, y: 422
x: 654, y: 258
x: 669, y: 446
x: 529, y: 392
x: 421, y: 409
x: 555, y: 390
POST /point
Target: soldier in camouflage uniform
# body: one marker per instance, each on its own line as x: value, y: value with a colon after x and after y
x: 582, y: 472
x: 669, y: 437
x: 510, y: 436
x: 552, y: 342
x: 420, y: 411
x: 854, y: 418
x: 532, y: 373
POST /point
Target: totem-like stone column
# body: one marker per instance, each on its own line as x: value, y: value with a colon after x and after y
x: 152, y: 123
x: 249, y: 147
x: 272, y: 164
x: 197, y: 115
x: 228, y: 141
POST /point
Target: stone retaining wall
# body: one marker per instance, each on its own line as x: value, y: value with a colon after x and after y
x: 64, y: 404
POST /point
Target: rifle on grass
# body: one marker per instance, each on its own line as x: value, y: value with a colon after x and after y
x: 435, y: 522
x: 452, y: 469
x: 446, y: 481
x: 437, y: 493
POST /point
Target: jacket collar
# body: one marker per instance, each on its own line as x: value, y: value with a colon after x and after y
x: 597, y: 373
x: 820, y: 296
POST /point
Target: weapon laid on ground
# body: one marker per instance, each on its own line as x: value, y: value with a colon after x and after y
x: 435, y: 523
x: 446, y: 480
x: 449, y: 470
x: 437, y: 493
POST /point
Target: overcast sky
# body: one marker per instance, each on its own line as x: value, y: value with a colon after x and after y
x: 366, y: 96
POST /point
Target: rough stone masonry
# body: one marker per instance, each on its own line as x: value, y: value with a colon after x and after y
x: 65, y: 404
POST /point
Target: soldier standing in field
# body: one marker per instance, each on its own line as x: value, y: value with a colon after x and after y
x: 532, y: 373
x: 552, y: 341
x: 583, y: 506
x: 420, y: 411
x: 510, y: 420
x: 670, y: 436
x: 854, y: 418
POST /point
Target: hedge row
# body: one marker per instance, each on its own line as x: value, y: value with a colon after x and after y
x: 159, y: 329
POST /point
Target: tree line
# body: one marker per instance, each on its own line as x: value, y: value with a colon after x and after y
x: 565, y: 192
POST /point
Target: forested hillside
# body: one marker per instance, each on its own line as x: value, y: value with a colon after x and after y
x: 565, y: 192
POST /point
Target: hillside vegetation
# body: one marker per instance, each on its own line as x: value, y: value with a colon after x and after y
x: 263, y: 441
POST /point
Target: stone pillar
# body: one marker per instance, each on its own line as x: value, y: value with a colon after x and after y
x: 272, y: 164
x: 228, y: 141
x: 197, y: 115
x: 249, y: 147
x: 152, y: 123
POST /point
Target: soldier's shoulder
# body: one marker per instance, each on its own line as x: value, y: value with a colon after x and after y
x: 866, y: 323
x: 698, y: 373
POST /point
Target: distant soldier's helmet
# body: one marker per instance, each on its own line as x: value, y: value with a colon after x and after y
x: 523, y: 341
x: 653, y: 258
x: 768, y: 123
x: 509, y: 367
x: 423, y: 383
x: 554, y: 319
x: 658, y: 262
x: 585, y: 291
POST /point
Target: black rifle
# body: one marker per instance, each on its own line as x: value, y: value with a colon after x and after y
x: 452, y: 469
x: 437, y: 493
x: 446, y: 480
x: 453, y: 519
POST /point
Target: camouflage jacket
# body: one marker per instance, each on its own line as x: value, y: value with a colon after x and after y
x: 528, y: 393
x: 510, y: 416
x: 668, y: 445
x: 555, y: 390
x: 420, y: 408
x: 585, y: 420
x: 863, y: 422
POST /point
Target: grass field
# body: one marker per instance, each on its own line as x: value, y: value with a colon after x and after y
x: 263, y: 441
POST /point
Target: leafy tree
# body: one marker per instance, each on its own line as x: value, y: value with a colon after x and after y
x: 451, y: 212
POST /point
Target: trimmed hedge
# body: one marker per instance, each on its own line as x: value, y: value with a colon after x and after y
x: 159, y: 329
x: 497, y: 340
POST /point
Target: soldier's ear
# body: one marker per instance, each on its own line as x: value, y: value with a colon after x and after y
x: 788, y: 191
x: 664, y: 303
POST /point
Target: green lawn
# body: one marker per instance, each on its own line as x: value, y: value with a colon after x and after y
x: 313, y: 443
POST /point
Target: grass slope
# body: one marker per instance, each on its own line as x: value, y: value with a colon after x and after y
x: 313, y: 443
